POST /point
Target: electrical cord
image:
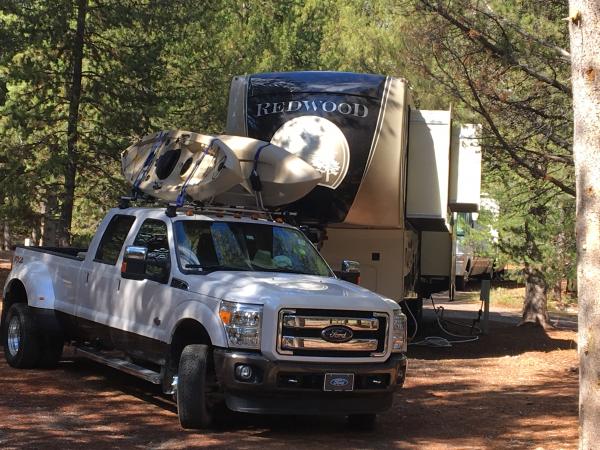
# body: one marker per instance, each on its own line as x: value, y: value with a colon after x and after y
x: 414, y: 320
x: 439, y: 341
x: 446, y: 321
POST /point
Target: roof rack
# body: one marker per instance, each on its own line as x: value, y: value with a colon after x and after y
x: 196, y: 208
x: 235, y: 211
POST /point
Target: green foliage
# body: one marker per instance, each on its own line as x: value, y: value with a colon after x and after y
x: 505, y: 63
x: 535, y: 226
x: 482, y: 238
x: 124, y: 96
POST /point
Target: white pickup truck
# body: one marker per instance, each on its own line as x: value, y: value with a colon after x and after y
x: 217, y: 307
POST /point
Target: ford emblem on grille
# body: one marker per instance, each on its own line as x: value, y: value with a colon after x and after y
x: 337, y: 334
x: 339, y: 382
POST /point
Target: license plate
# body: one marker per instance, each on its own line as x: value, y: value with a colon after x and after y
x: 338, y: 382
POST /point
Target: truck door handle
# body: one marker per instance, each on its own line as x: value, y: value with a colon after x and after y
x: 87, y: 277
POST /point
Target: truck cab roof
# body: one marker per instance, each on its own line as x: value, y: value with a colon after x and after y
x: 210, y: 214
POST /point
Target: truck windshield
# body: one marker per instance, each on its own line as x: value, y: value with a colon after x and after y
x: 209, y: 246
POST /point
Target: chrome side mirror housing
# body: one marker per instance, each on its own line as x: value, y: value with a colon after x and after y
x: 134, y: 262
x: 350, y: 266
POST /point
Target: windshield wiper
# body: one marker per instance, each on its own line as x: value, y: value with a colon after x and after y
x: 215, y: 267
x: 281, y: 270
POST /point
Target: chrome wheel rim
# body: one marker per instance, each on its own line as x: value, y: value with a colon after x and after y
x: 14, y: 335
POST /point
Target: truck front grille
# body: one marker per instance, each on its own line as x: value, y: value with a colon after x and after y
x: 320, y: 332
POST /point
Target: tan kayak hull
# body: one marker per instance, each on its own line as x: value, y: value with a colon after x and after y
x: 217, y: 169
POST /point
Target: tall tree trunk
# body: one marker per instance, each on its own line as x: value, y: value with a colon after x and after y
x: 49, y: 222
x: 36, y: 229
x: 72, y: 126
x: 535, y: 306
x: 557, y: 291
x: 6, y: 244
x: 34, y: 235
x: 584, y: 25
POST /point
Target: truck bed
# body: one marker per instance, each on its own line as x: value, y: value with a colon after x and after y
x: 65, y: 252
x: 50, y: 274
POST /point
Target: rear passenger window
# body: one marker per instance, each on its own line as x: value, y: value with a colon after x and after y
x: 153, y: 236
x: 113, y: 239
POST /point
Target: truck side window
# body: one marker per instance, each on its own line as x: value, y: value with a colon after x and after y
x: 153, y: 236
x: 113, y: 239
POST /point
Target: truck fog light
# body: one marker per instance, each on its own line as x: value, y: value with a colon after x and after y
x: 244, y: 372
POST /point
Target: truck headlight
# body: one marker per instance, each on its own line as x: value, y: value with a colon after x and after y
x: 242, y: 324
x: 399, y: 339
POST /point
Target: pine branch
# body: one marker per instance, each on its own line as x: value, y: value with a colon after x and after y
x: 478, y: 36
x: 558, y: 51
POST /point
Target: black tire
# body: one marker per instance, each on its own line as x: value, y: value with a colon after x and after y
x: 20, y: 338
x: 193, y: 387
x: 362, y: 422
x: 460, y: 282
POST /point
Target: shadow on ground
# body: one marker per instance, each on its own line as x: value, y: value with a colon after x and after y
x: 503, y: 339
x: 447, y: 402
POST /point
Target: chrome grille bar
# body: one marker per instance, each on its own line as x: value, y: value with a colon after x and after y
x: 312, y: 322
x: 299, y: 332
x: 305, y: 343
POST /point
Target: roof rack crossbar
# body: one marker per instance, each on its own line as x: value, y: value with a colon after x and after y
x: 173, y: 207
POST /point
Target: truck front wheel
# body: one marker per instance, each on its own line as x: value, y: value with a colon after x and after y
x: 194, y: 383
x: 19, y: 338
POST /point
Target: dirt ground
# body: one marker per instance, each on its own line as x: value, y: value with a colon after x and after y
x: 514, y: 388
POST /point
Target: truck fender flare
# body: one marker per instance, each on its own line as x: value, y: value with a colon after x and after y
x: 38, y: 284
x: 202, y: 314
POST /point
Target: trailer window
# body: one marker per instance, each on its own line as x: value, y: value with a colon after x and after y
x: 113, y: 239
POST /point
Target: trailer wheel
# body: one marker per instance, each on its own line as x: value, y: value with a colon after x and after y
x: 194, y: 381
x: 20, y: 339
x: 362, y: 422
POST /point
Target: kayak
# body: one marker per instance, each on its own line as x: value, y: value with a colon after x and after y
x: 179, y: 166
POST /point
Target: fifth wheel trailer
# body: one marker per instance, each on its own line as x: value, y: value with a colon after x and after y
x: 393, y: 175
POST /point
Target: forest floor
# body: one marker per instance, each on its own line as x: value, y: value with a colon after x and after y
x: 515, y: 387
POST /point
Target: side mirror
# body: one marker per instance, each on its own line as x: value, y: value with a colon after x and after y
x: 350, y: 271
x: 350, y: 266
x: 134, y: 263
